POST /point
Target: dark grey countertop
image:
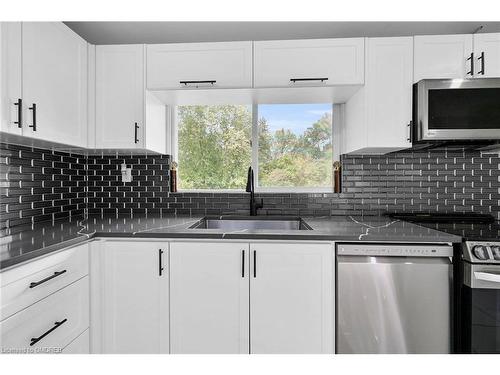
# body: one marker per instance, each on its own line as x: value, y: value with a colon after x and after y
x: 48, y: 237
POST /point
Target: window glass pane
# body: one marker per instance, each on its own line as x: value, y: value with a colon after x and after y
x: 295, y: 145
x: 214, y: 146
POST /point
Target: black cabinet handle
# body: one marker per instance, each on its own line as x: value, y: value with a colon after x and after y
x: 32, y: 285
x: 19, y: 121
x: 482, y: 63
x: 254, y: 264
x: 34, y: 340
x: 242, y: 263
x: 136, y: 128
x: 160, y: 262
x: 33, y: 108
x: 308, y: 79
x: 185, y: 83
x: 410, y: 132
x: 471, y: 58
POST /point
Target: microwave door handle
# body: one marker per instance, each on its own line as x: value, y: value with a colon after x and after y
x: 486, y: 276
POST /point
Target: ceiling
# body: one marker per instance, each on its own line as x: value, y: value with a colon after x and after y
x: 185, y: 32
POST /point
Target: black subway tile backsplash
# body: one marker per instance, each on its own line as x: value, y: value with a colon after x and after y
x: 38, y: 185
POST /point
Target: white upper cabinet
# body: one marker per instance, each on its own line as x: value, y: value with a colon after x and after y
x: 218, y: 65
x: 284, y: 63
x: 443, y: 56
x: 487, y: 55
x: 10, y: 78
x: 119, y: 96
x: 292, y: 296
x: 457, y: 56
x: 54, y: 83
x: 209, y: 296
x: 377, y: 118
x: 126, y: 117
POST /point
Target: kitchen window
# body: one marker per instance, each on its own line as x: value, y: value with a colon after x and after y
x: 290, y: 146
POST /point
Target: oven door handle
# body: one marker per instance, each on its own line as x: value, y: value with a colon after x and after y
x: 486, y: 276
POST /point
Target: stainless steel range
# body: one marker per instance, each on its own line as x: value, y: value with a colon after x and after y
x: 481, y: 296
x: 479, y: 287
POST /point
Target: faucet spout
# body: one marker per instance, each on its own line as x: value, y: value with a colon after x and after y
x: 254, y: 206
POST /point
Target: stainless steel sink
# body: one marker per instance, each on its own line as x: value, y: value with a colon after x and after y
x: 233, y: 223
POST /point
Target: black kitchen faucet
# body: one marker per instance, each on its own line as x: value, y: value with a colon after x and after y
x: 254, y: 206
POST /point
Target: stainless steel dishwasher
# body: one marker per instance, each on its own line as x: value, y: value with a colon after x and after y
x: 394, y: 299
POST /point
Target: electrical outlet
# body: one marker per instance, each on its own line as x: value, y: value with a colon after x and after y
x: 126, y: 173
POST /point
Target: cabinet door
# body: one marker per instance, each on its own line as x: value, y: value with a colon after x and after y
x: 292, y: 298
x: 442, y: 56
x: 339, y: 61
x: 10, y: 78
x: 120, y: 96
x: 389, y: 92
x: 228, y: 64
x: 209, y: 297
x: 55, y: 80
x: 487, y: 55
x: 135, y: 297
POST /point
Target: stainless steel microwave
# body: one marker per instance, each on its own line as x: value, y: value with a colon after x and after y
x: 456, y: 109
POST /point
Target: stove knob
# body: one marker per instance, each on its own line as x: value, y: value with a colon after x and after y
x: 496, y: 252
x: 480, y: 252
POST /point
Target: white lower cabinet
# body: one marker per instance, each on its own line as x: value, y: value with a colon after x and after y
x: 209, y: 297
x: 292, y: 298
x: 212, y: 297
x: 28, y: 283
x: 50, y: 324
x: 80, y: 345
x: 133, y: 297
x: 231, y: 297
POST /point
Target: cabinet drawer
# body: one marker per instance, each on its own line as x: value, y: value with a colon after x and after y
x: 80, y: 345
x: 24, y: 285
x: 180, y: 66
x: 55, y: 321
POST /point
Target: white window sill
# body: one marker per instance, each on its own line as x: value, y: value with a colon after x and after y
x: 259, y: 190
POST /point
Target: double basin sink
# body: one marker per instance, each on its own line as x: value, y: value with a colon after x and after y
x: 235, y: 223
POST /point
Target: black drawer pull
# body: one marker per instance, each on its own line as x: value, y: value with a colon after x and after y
x: 308, y: 79
x: 33, y: 108
x: 185, y: 83
x: 34, y: 340
x: 32, y: 285
x: 19, y: 121
x: 160, y: 261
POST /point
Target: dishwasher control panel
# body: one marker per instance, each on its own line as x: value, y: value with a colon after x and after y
x: 395, y: 250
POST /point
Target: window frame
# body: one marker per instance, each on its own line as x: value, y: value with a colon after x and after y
x: 337, y: 119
